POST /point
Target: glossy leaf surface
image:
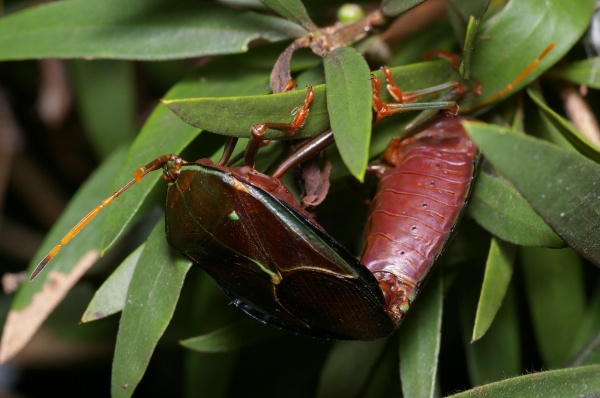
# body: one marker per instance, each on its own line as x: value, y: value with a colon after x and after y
x: 139, y: 29
x: 518, y: 34
x: 562, y: 186
x: 349, y: 106
x: 498, y: 207
x: 498, y: 273
x: 235, y: 115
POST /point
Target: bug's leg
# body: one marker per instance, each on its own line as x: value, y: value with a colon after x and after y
x: 258, y: 130
x: 308, y: 149
x: 405, y: 100
x: 228, y: 150
x: 452, y: 58
x: 171, y: 164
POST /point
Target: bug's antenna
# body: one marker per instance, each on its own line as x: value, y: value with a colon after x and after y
x: 138, y: 175
x: 512, y: 84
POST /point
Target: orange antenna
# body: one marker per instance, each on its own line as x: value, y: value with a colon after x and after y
x: 512, y: 84
x: 170, y: 173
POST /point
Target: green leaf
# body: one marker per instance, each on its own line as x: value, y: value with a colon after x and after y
x: 209, y: 375
x: 391, y: 8
x: 151, y: 299
x: 498, y: 207
x: 349, y: 104
x: 110, y: 297
x: 348, y: 366
x: 498, y: 272
x: 34, y: 301
x: 587, y: 342
x: 234, y: 116
x: 420, y: 340
x: 585, y: 72
x: 497, y: 355
x: 472, y: 30
x: 106, y: 100
x: 135, y: 29
x: 518, y: 34
x: 563, y: 187
x: 574, y: 136
x: 590, y: 354
x: 573, y: 382
x: 466, y: 16
x: 241, y: 334
x: 293, y: 10
x: 555, y: 290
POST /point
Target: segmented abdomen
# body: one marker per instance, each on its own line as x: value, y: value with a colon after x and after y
x: 421, y: 192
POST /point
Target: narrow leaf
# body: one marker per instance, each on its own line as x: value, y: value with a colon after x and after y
x: 556, y: 291
x: 498, y: 272
x: 110, y: 297
x: 563, y: 187
x: 234, y: 116
x: 585, y: 72
x: 293, y: 10
x: 241, y: 334
x: 105, y: 93
x: 590, y: 354
x: 574, y: 136
x: 136, y: 29
x: 151, y: 299
x: 498, y: 207
x: 420, y: 340
x: 466, y: 16
x: 587, y: 343
x: 497, y: 355
x: 349, y: 104
x: 391, y: 8
x: 348, y: 366
x: 572, y: 382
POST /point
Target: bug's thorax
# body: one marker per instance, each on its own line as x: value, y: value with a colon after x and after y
x: 250, y: 175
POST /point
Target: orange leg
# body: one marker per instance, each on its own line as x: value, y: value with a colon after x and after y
x: 258, y: 130
x: 405, y: 101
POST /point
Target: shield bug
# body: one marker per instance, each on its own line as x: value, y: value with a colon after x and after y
x: 266, y: 253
